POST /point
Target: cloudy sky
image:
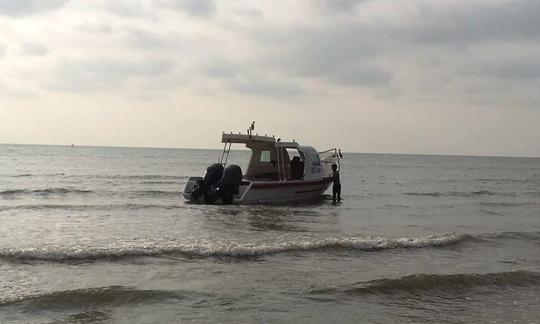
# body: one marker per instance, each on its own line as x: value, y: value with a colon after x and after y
x: 415, y: 76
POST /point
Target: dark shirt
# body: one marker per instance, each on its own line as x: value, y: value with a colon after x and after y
x: 335, y: 177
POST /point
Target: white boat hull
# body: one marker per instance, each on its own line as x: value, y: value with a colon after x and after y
x: 270, y: 191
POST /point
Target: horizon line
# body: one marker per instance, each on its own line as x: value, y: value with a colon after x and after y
x: 220, y: 149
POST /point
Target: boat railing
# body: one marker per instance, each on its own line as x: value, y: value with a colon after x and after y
x: 329, y: 157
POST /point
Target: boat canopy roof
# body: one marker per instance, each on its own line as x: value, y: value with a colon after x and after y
x: 253, y: 139
x: 272, y: 160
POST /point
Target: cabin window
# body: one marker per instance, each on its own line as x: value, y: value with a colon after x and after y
x: 316, y: 160
x: 292, y: 153
x: 315, y: 164
x: 265, y: 156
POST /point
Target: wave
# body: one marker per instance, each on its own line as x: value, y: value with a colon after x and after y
x: 440, y: 282
x: 507, y: 204
x: 159, y: 182
x: 528, y: 236
x: 228, y: 249
x: 66, y: 191
x: 490, y: 212
x: 458, y: 193
x: 24, y: 175
x: 90, y: 207
x: 157, y: 193
x: 143, y: 177
x: 110, y: 295
x: 20, y: 175
x: 499, y: 180
x: 500, y: 204
x: 432, y: 194
x: 397, y: 206
x: 48, y: 191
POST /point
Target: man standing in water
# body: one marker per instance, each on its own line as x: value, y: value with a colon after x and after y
x: 336, y: 189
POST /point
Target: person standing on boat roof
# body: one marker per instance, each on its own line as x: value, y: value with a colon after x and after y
x: 336, y: 189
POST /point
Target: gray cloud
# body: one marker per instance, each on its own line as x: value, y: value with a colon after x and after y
x: 34, y: 49
x: 127, y: 8
x: 8, y: 91
x: 238, y: 78
x: 259, y: 85
x: 340, y: 5
x: 102, y: 74
x: 317, y: 51
x: 362, y: 76
x: 132, y: 9
x: 220, y: 68
x: 340, y: 54
x: 478, y: 22
x: 147, y: 39
x: 518, y: 70
x: 193, y: 7
x: 365, y: 53
x: 248, y: 12
x: 27, y: 7
x: 95, y: 27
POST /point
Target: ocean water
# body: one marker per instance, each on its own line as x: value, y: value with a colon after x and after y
x: 103, y: 235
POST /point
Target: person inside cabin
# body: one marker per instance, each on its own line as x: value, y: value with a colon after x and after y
x: 297, y: 168
x: 336, y: 189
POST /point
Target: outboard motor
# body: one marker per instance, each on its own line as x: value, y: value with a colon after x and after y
x: 232, y: 177
x: 213, y: 175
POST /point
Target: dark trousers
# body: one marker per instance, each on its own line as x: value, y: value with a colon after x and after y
x: 336, y: 191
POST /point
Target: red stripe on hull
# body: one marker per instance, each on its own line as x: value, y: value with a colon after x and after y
x: 284, y: 184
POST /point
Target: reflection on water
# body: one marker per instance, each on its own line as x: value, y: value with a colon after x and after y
x: 299, y: 217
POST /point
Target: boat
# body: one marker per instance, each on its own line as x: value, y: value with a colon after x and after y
x: 277, y: 171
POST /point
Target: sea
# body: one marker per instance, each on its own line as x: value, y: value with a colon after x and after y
x: 103, y: 235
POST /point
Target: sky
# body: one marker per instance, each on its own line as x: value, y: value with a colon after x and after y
x: 383, y: 76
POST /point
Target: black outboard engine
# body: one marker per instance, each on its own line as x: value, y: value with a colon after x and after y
x: 231, y: 180
x: 213, y: 175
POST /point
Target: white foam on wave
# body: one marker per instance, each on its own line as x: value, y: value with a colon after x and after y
x: 203, y: 248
